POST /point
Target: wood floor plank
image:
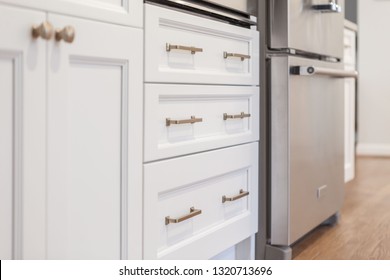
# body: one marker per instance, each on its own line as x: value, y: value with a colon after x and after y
x: 363, y: 231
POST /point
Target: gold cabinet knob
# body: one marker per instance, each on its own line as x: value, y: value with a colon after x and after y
x: 67, y: 34
x: 44, y: 30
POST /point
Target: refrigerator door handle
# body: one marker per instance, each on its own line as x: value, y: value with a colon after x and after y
x: 331, y: 7
x: 312, y: 70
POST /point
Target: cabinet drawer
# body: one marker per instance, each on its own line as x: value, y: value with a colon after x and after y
x: 173, y: 186
x: 208, y: 39
x: 210, y: 129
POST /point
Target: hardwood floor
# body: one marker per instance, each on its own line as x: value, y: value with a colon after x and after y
x: 363, y: 231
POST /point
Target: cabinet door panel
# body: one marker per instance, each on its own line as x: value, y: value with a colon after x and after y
x: 126, y: 12
x: 94, y: 140
x: 22, y: 135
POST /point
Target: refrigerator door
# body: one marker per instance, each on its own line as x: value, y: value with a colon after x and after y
x: 307, y: 145
x: 314, y: 26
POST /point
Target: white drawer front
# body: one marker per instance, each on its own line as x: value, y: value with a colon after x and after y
x: 210, y: 103
x: 164, y: 26
x: 173, y: 186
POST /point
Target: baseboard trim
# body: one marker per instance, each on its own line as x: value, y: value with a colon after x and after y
x: 373, y: 149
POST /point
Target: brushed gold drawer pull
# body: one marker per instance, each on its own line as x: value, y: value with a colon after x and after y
x: 241, y: 195
x: 193, y: 212
x: 193, y: 50
x: 239, y: 55
x: 191, y: 121
x: 240, y: 116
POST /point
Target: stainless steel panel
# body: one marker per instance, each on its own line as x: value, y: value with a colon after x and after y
x: 235, y: 12
x: 299, y: 25
x: 307, y: 148
x: 279, y: 204
x: 247, y: 6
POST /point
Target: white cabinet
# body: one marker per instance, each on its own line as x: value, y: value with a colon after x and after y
x: 124, y: 12
x: 184, y: 48
x: 22, y: 140
x: 201, y: 127
x: 94, y: 156
x: 71, y: 116
x: 350, y: 101
x: 224, y: 116
x: 221, y: 189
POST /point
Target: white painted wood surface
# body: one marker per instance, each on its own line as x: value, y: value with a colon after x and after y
x: 22, y: 130
x: 180, y: 102
x: 350, y: 103
x: 6, y: 155
x: 124, y: 12
x: 95, y: 142
x: 173, y: 186
x: 164, y: 26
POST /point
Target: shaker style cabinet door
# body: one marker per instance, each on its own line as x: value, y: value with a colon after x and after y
x: 94, y: 141
x: 22, y: 135
x: 125, y: 12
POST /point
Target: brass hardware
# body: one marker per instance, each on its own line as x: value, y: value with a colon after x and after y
x: 241, y: 195
x: 191, y: 121
x: 193, y: 212
x: 193, y: 50
x: 67, y: 34
x: 241, y: 56
x: 44, y: 30
x: 240, y: 116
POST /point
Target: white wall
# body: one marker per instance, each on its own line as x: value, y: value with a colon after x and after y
x: 374, y: 78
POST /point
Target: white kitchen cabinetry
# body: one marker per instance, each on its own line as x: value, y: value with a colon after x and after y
x: 175, y: 186
x: 71, y: 114
x: 94, y: 155
x: 184, y: 48
x: 226, y: 116
x: 125, y: 12
x: 201, y: 126
x: 22, y: 135
x: 350, y: 32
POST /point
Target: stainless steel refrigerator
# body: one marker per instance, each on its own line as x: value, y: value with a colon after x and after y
x: 303, y: 126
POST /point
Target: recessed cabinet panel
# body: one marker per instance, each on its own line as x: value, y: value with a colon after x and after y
x: 183, y: 119
x: 6, y: 157
x: 94, y: 140
x: 86, y: 161
x: 198, y: 211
